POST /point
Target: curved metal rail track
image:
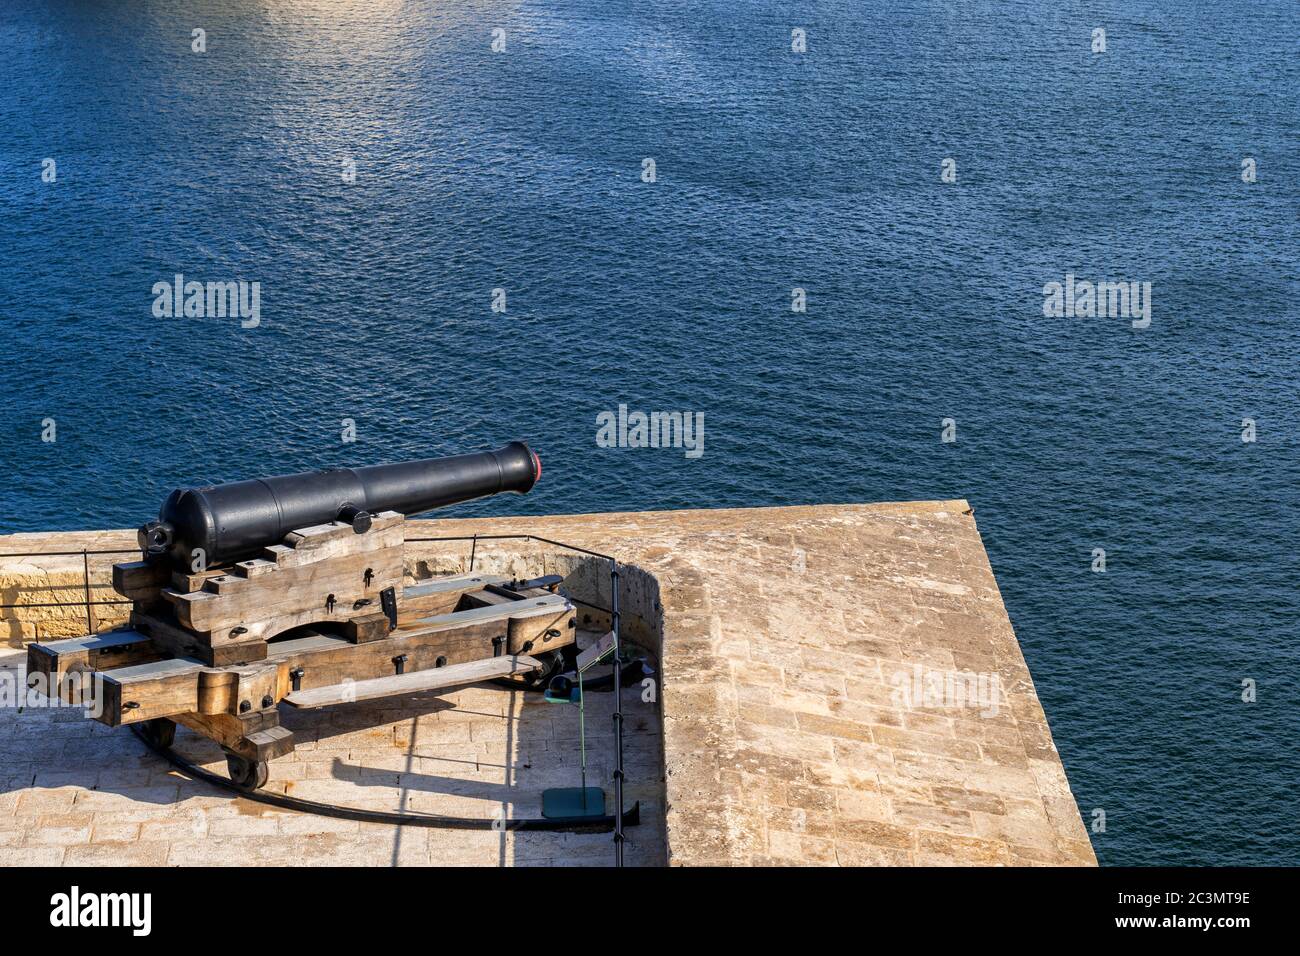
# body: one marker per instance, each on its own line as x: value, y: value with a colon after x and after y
x: 604, y: 824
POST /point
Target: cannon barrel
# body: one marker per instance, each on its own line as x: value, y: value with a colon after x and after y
x: 234, y: 521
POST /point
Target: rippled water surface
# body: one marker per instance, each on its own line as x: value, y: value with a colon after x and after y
x: 522, y: 170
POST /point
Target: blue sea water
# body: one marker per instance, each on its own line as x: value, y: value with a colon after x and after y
x: 522, y: 170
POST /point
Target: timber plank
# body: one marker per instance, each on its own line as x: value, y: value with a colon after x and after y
x: 326, y: 659
x: 177, y: 641
x: 140, y: 580
x: 441, y: 595
x: 452, y: 582
x: 494, y: 612
x: 249, y: 575
x: 436, y: 678
x: 54, y: 659
x: 285, y: 593
x: 144, y: 691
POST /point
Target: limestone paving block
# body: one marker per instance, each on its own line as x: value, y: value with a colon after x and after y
x: 777, y: 731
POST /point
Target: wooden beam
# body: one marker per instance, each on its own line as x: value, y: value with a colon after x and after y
x: 531, y: 626
x: 140, y: 580
x: 489, y: 612
x: 243, y: 690
x: 329, y: 659
x: 274, y: 599
x: 52, y: 660
x: 188, y: 683
x: 366, y: 628
x: 437, y: 678
x: 441, y: 595
x: 167, y: 634
x: 160, y: 689
x: 257, y: 737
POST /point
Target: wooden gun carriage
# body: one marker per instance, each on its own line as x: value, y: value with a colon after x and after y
x: 319, y: 617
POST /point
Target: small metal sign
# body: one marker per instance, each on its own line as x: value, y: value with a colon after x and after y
x: 597, y: 652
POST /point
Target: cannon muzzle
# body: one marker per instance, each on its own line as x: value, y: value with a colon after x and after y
x: 234, y: 521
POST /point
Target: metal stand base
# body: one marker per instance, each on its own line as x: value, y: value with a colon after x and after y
x: 562, y: 802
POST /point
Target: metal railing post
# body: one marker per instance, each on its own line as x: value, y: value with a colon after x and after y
x: 618, y: 716
x: 85, y: 571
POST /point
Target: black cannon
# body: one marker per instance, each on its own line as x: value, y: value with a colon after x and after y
x: 236, y: 520
x: 303, y: 595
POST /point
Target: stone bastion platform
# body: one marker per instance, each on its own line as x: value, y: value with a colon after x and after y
x: 840, y: 684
